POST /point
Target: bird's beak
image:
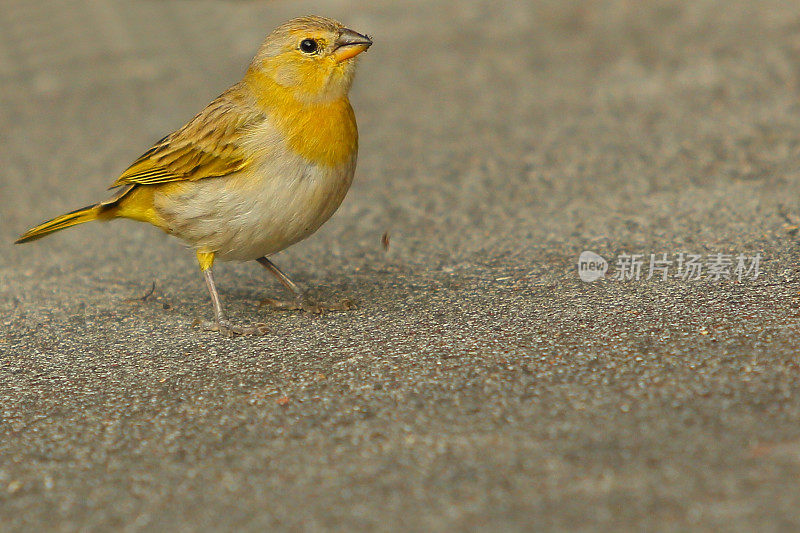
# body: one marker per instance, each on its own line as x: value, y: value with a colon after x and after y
x: 349, y: 44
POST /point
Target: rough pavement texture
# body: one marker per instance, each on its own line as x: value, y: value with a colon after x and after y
x: 479, y: 382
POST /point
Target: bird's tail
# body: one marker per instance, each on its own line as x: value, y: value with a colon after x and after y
x: 74, y: 218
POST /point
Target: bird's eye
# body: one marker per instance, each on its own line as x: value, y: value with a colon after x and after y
x: 309, y: 46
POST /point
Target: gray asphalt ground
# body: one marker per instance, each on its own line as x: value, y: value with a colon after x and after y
x: 479, y: 384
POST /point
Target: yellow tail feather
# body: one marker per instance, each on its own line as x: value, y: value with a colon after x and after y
x: 79, y: 216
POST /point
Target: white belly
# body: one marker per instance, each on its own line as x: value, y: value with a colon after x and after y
x: 258, y: 211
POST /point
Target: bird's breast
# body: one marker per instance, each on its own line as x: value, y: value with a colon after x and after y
x: 281, y: 197
x: 323, y: 133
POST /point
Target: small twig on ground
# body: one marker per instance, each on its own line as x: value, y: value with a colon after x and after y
x: 144, y: 298
x: 792, y: 224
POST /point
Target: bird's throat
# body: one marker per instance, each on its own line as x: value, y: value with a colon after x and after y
x: 323, y: 133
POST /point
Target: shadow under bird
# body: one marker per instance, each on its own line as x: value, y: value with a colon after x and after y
x: 260, y: 168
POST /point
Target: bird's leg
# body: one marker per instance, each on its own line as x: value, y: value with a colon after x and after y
x: 283, y: 278
x: 222, y: 324
x: 300, y: 302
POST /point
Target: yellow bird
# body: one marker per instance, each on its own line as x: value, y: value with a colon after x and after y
x: 260, y: 168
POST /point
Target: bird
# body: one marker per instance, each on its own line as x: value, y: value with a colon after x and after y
x: 260, y: 168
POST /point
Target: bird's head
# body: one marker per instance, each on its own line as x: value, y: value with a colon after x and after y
x: 311, y: 57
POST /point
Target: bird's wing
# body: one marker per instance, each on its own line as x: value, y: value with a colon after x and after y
x: 210, y: 145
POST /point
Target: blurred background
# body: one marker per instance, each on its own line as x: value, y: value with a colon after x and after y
x: 505, y: 120
x: 479, y: 383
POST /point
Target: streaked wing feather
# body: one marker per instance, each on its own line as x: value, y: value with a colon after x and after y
x: 208, y: 146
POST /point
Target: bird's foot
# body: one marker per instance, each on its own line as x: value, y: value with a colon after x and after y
x: 307, y: 305
x: 228, y: 329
